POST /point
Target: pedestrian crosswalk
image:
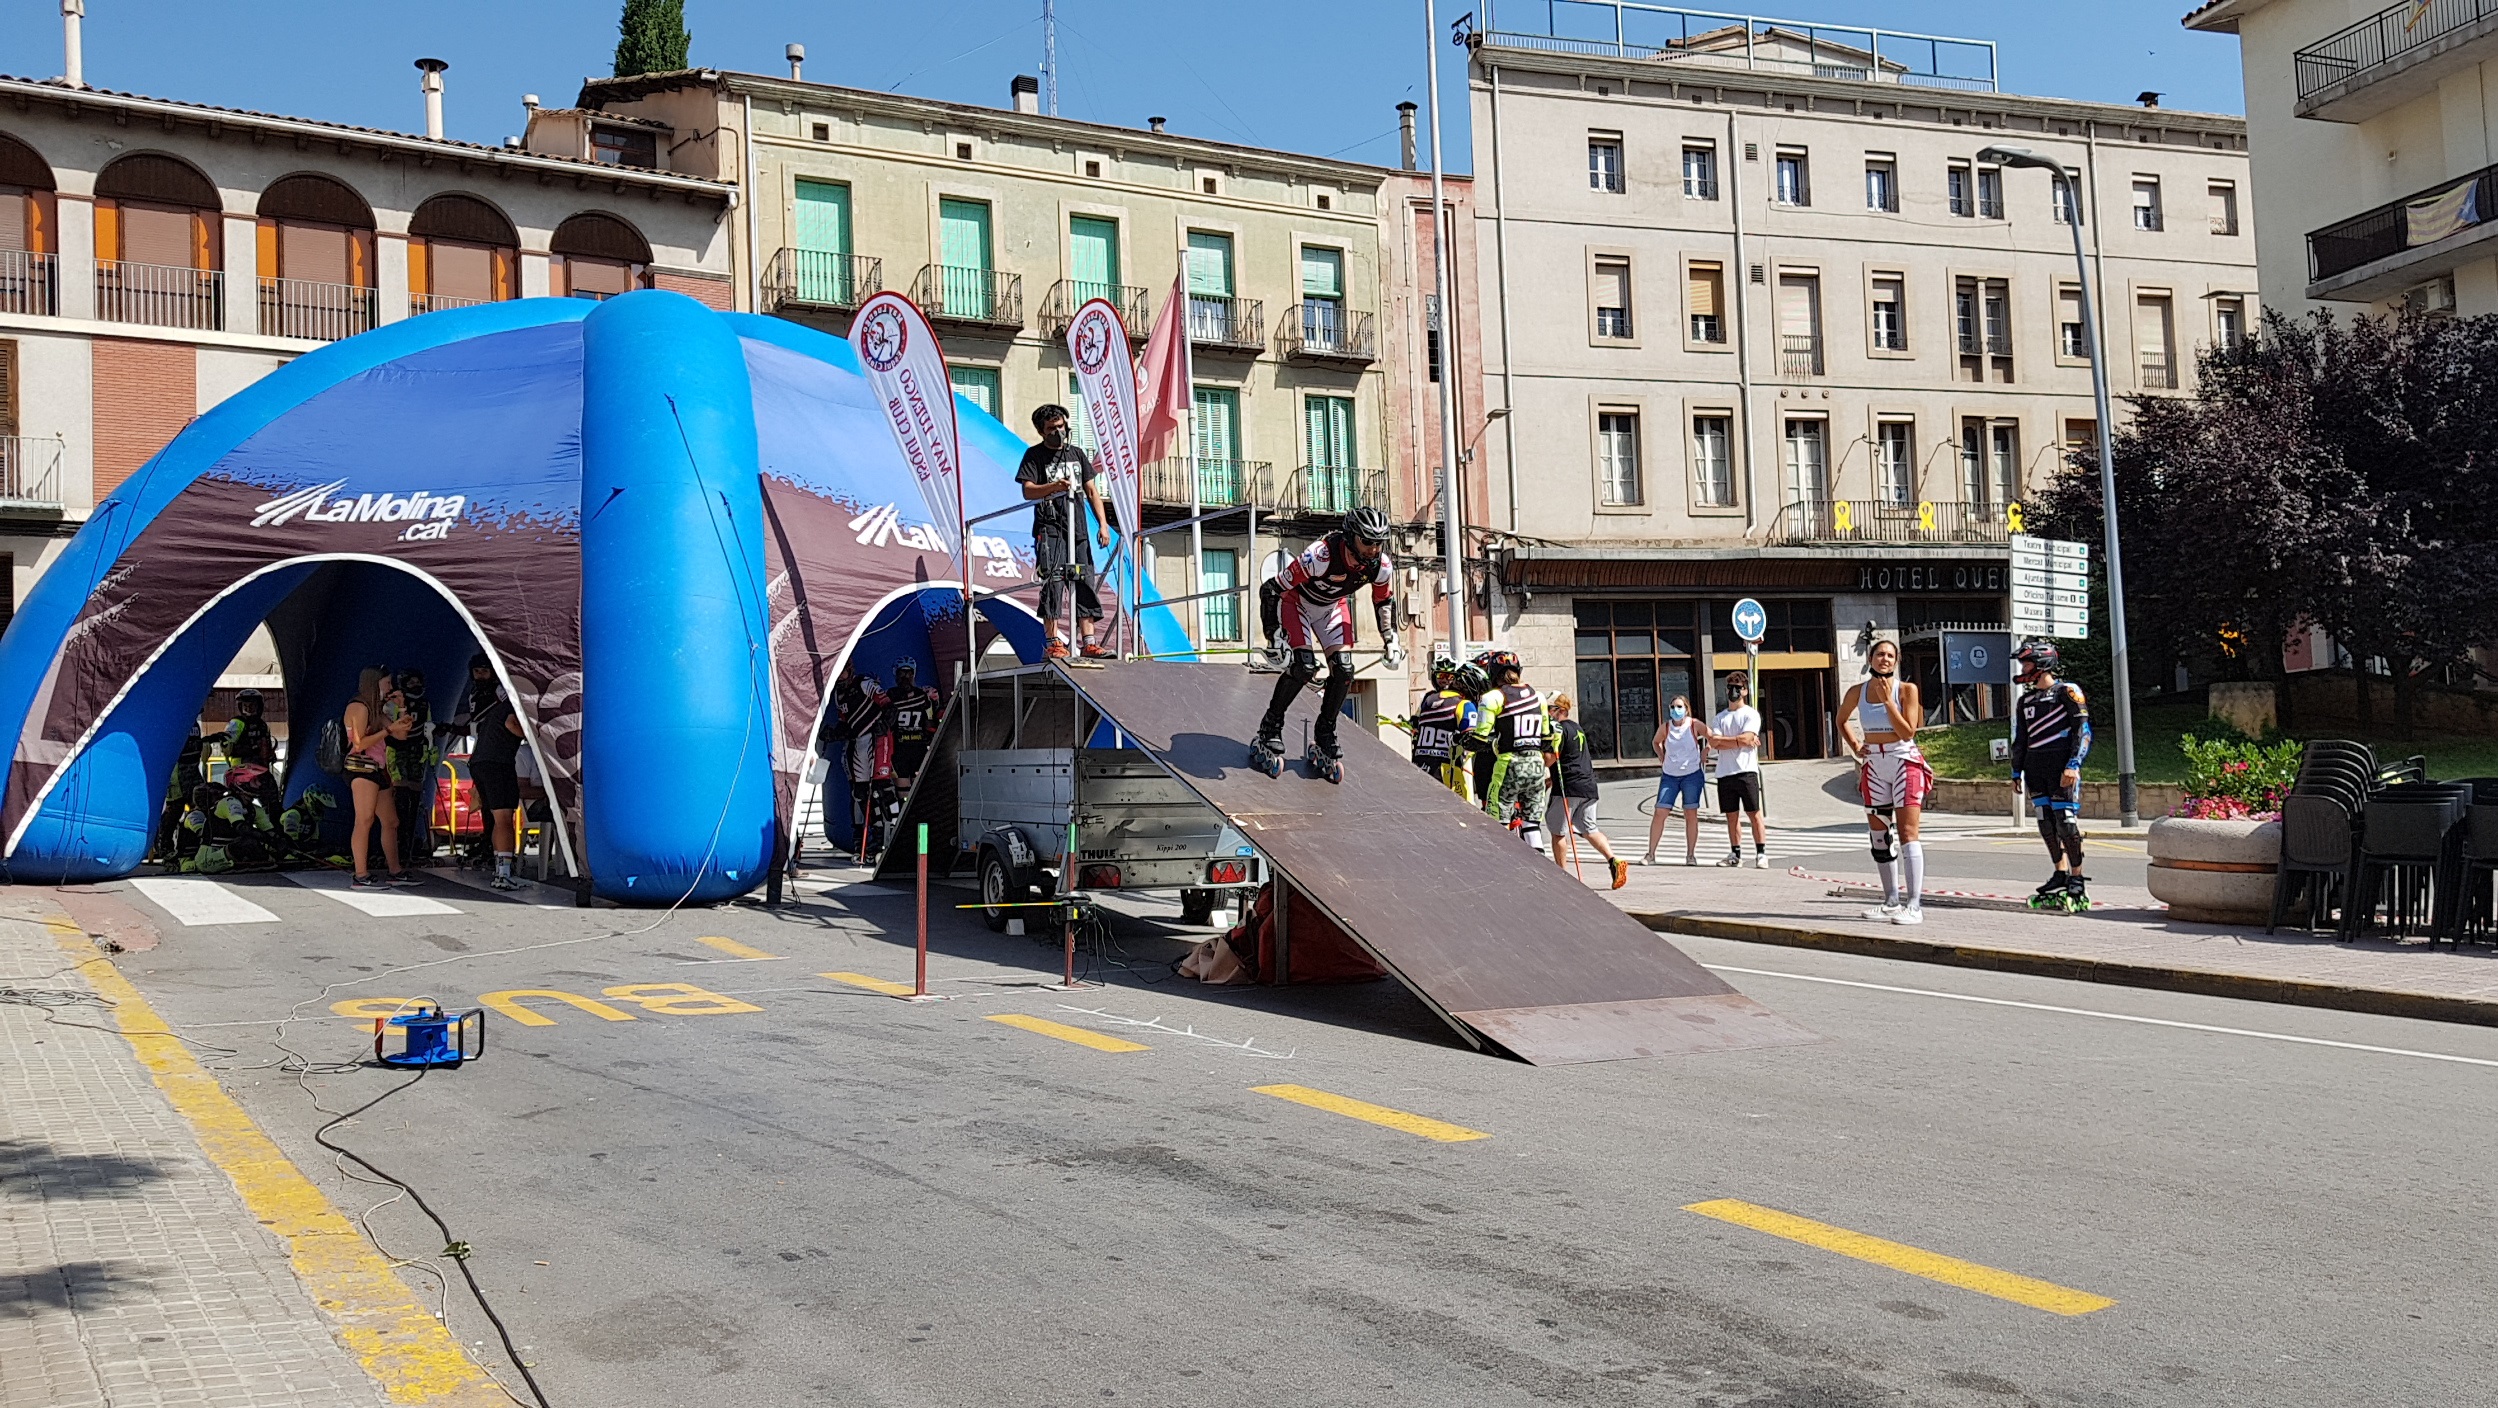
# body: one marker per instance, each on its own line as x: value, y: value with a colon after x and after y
x: 200, y: 902
x: 381, y: 904
x: 196, y: 902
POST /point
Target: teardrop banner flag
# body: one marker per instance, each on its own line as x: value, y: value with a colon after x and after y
x: 904, y: 363
x: 1097, y: 342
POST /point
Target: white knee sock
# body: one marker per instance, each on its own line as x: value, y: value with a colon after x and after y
x: 1913, y: 860
x: 1889, y: 870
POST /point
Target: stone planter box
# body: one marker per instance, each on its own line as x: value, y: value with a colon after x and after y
x: 2215, y: 872
x: 1992, y: 796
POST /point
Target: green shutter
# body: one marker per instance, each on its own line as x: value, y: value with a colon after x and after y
x: 963, y: 234
x: 1322, y: 272
x: 1209, y: 264
x: 978, y: 385
x: 1079, y: 416
x: 1327, y: 443
x: 1221, y: 614
x: 823, y: 271
x: 1218, y: 446
x: 1093, y: 255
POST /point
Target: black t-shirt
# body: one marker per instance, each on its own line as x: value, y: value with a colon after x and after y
x: 1578, y: 770
x: 1043, y: 465
x: 495, y: 745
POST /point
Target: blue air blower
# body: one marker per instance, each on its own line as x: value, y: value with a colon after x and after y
x: 429, y: 1037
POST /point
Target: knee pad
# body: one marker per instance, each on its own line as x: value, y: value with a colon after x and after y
x: 1339, y: 665
x: 1304, y: 667
x: 1884, y: 849
x: 2069, y: 827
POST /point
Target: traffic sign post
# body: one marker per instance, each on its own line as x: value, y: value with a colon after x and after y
x: 1751, y: 621
x: 2050, y: 588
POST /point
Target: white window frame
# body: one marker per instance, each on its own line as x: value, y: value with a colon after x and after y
x: 1705, y: 187
x: 1613, y: 474
x: 1615, y: 181
x: 1882, y: 184
x: 1701, y: 501
x: 1898, y: 473
x: 1799, y: 161
x: 1598, y: 260
x: 2147, y: 213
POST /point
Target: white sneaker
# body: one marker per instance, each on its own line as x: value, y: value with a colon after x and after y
x: 1909, y: 914
x: 1645, y: 860
x: 1761, y: 861
x: 1733, y: 859
x: 1880, y: 912
x: 1691, y: 859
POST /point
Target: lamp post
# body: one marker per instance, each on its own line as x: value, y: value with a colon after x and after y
x: 1453, y: 527
x: 2024, y: 157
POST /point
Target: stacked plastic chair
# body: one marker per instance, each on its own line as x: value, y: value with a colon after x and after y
x: 2323, y: 821
x: 2476, y: 912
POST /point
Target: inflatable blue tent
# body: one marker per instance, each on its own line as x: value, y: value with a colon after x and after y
x: 669, y: 528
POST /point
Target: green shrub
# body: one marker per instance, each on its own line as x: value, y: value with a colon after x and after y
x: 2230, y: 776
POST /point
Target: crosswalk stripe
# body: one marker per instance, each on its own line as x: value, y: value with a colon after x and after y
x: 196, y: 902
x: 381, y: 904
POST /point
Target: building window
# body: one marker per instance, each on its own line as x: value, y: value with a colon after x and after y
x: 1882, y: 184
x: 1990, y: 193
x: 1982, y: 327
x: 978, y: 385
x: 1634, y: 658
x: 1617, y: 458
x: 1332, y: 482
x: 2081, y: 437
x: 1795, y: 186
x: 1221, y: 614
x: 1990, y: 461
x: 1960, y: 187
x: 2155, y: 338
x: 1890, y: 313
x: 2072, y: 331
x: 460, y: 251
x: 1799, y: 325
x: 1699, y: 171
x: 1323, y: 324
x: 1604, y: 163
x: 1092, y: 170
x: 962, y: 151
x: 2224, y: 208
x: 1431, y: 332
x: 1326, y: 203
x: 1613, y: 299
x: 1998, y: 304
x: 1210, y: 309
x: 1713, y: 459
x: 1705, y: 292
x: 624, y: 146
x: 2062, y: 189
x: 2146, y: 202
x: 2228, y: 321
x: 1079, y: 416
x: 823, y: 131
x: 1808, y: 462
x: 1895, y: 462
x: 597, y: 256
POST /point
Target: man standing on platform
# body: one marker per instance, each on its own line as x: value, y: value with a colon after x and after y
x: 1052, y: 474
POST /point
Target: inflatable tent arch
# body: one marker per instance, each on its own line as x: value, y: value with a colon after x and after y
x: 668, y: 527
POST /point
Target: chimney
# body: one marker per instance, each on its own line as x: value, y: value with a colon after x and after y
x: 73, y: 54
x: 1153, y: 124
x: 2147, y: 98
x: 432, y: 69
x: 1405, y: 131
x: 797, y: 56
x: 1027, y: 93
x: 529, y: 103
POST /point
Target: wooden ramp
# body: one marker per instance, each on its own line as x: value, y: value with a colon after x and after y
x: 1503, y: 944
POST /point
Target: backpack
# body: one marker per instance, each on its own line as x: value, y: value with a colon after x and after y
x: 331, y: 752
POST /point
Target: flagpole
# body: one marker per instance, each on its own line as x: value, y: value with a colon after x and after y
x: 1443, y: 232
x: 1188, y: 437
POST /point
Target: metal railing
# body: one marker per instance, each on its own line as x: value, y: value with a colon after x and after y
x: 955, y: 294
x: 1216, y: 320
x: 1799, y: 354
x: 1707, y: 327
x: 1630, y: 30
x: 161, y: 295
x: 1329, y: 332
x: 2147, y: 217
x: 420, y: 304
x: 1135, y: 305
x: 2380, y: 39
x: 1990, y: 207
x: 1220, y: 483
x: 2159, y: 372
x: 317, y: 312
x: 2389, y: 229
x: 30, y: 472
x: 815, y: 278
x: 1333, y: 490
x: 1875, y: 521
x: 2224, y: 225
x: 29, y: 282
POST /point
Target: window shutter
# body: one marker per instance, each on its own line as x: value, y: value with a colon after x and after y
x: 1613, y: 286
x: 1704, y: 289
x: 8, y: 389
x: 1322, y: 273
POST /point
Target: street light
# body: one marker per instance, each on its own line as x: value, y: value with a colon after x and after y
x: 1452, y: 518
x: 2024, y: 157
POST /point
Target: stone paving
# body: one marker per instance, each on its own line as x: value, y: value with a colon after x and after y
x: 131, y: 1274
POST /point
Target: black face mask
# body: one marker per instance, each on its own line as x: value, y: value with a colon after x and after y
x: 1880, y: 673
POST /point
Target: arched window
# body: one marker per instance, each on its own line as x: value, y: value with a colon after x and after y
x: 157, y: 243
x: 29, y: 230
x: 460, y: 251
x: 597, y: 256
x: 316, y: 259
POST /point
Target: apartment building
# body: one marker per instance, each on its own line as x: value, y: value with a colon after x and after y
x: 1765, y: 326
x: 1001, y: 222
x: 158, y: 256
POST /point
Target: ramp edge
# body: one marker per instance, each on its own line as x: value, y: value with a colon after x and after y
x: 1621, y: 1031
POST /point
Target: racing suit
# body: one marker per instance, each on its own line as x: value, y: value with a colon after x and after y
x: 1312, y: 602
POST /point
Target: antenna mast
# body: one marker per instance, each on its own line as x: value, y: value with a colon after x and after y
x: 1049, y: 54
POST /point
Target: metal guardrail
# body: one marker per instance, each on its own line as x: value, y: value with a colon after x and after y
x: 160, y: 295
x: 1233, y: 324
x: 29, y: 282
x: 317, y: 312
x: 1877, y: 521
x: 814, y: 278
x: 1631, y: 30
x: 2159, y: 372
x: 982, y: 297
x: 420, y: 304
x: 2382, y: 38
x: 2388, y: 229
x: 1329, y: 332
x: 1135, y: 305
x: 1799, y: 354
x: 30, y: 472
x: 1220, y: 483
x: 1333, y: 490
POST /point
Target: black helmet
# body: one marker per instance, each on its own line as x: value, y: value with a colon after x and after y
x: 1472, y: 682
x: 1443, y: 670
x: 479, y: 661
x: 1497, y: 661
x: 412, y: 683
x: 2037, y: 656
x: 247, y: 701
x: 1043, y: 415
x: 905, y: 670
x: 1366, y: 525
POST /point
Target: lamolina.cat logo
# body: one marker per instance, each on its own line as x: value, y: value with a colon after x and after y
x: 429, y: 516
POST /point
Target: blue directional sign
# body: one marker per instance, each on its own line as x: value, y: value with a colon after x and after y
x: 1751, y: 621
x: 1976, y: 657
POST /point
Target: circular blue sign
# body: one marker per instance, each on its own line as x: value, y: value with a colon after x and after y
x: 1751, y: 621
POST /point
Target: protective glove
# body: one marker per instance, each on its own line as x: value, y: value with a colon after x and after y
x: 1396, y: 654
x: 1277, y: 655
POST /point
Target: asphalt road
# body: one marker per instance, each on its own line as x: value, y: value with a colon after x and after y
x: 838, y: 1197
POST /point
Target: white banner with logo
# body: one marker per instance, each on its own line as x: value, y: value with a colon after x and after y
x: 1097, y: 342
x: 899, y: 352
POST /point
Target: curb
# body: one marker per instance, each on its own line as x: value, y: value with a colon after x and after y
x: 2379, y: 1002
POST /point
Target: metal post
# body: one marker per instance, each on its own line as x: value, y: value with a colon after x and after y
x: 1283, y: 930
x: 2125, y: 798
x: 922, y: 989
x: 1452, y: 522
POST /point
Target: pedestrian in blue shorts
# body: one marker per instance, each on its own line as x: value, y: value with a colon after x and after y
x: 1681, y: 783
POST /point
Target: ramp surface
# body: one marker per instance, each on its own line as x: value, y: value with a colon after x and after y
x: 1502, y: 943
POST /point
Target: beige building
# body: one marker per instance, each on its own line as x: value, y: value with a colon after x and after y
x: 1766, y: 327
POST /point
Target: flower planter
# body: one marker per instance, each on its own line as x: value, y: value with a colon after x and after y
x: 2215, y: 872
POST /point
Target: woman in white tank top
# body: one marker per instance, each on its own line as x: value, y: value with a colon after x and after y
x: 1682, y: 759
x: 1878, y: 722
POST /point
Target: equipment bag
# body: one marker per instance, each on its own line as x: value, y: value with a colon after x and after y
x: 331, y: 751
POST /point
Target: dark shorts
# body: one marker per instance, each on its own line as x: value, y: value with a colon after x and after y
x: 498, y: 785
x: 1739, y: 792
x: 2047, y: 789
x: 1051, y: 551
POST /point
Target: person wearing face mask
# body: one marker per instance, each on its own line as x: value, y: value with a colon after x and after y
x: 1681, y: 781
x: 1052, y: 474
x: 1878, y: 722
x: 1735, y: 737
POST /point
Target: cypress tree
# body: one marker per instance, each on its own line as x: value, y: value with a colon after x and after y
x: 651, y: 37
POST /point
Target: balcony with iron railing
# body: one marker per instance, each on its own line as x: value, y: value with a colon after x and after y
x: 30, y: 474
x: 2414, y: 238
x: 1844, y: 522
x: 815, y: 279
x: 977, y: 298
x: 1799, y: 354
x: 1331, y: 491
x: 2159, y: 372
x: 2397, y: 54
x: 420, y: 304
x: 1068, y: 296
x: 1223, y: 483
x: 159, y: 295
x: 1225, y: 324
x: 1714, y: 39
x: 316, y: 312
x: 29, y: 282
x: 1329, y: 332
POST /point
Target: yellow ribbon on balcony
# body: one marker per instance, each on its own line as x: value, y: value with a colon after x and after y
x: 1925, y: 517
x: 2012, y: 518
x: 1843, y: 518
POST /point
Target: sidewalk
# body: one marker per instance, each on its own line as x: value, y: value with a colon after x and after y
x: 155, y: 1248
x: 2128, y: 940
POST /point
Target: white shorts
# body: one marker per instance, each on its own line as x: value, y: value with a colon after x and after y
x: 1894, y: 775
x: 1317, y: 625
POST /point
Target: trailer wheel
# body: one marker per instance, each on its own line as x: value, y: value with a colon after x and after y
x: 1196, y: 906
x: 1000, y: 886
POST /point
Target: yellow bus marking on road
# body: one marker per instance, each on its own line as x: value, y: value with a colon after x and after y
x: 678, y: 999
x: 1934, y: 1266
x: 1419, y: 1125
x: 400, y: 1343
x: 507, y: 1003
x: 861, y: 980
x: 1063, y: 1032
x: 733, y: 948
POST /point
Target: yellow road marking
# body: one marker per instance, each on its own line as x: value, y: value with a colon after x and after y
x: 861, y: 980
x: 734, y: 949
x: 399, y: 1342
x: 1420, y: 1125
x: 507, y: 1002
x: 1934, y: 1266
x: 1063, y: 1032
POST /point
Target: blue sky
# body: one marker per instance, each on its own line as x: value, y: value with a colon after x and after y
x: 1318, y: 76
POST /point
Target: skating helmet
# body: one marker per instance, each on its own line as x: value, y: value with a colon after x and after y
x: 1443, y: 671
x: 247, y: 702
x: 1472, y: 682
x: 412, y: 685
x: 905, y: 672
x: 2036, y: 657
x: 1497, y: 661
x: 1366, y: 525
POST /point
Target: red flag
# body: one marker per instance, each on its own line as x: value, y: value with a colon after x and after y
x: 1162, y: 391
